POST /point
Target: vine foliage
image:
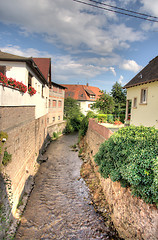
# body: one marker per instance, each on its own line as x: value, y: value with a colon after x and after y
x: 130, y: 156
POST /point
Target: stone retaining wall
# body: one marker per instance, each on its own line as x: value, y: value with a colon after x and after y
x: 57, y: 127
x: 133, y: 218
x: 23, y: 144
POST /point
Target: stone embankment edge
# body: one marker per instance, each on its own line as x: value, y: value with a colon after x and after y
x: 30, y: 185
x: 132, y: 217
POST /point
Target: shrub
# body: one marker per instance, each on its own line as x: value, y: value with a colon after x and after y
x: 110, y: 118
x: 102, y: 117
x: 131, y: 157
x: 6, y: 158
x: 83, y: 126
x: 69, y: 128
x: 72, y: 114
x: 91, y: 114
x: 55, y: 135
x: 85, y: 122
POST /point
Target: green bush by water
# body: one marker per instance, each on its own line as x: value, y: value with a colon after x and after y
x: 131, y: 157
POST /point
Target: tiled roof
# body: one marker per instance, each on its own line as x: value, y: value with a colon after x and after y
x: 44, y: 65
x: 8, y: 56
x: 81, y: 92
x: 41, y: 70
x: 146, y: 75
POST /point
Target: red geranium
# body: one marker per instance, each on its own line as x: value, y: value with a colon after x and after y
x: 12, y: 82
x: 31, y: 90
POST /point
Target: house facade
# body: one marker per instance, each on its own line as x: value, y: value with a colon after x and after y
x: 85, y: 95
x: 142, y: 97
x: 56, y: 103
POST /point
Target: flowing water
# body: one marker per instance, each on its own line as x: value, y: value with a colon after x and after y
x: 59, y: 206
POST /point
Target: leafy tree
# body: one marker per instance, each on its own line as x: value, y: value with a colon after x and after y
x: 119, y: 95
x: 72, y: 114
x: 105, y: 103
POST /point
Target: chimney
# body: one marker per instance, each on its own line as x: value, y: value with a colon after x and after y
x: 87, y: 84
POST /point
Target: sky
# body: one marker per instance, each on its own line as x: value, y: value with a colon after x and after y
x: 85, y: 44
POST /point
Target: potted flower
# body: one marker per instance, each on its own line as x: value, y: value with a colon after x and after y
x: 31, y: 90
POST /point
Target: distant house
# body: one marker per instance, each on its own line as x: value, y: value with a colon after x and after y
x: 85, y: 95
x: 142, y: 96
x: 56, y: 103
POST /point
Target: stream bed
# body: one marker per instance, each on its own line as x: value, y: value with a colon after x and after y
x: 60, y: 206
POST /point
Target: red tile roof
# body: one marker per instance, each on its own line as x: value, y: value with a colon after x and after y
x: 81, y: 92
x: 44, y: 66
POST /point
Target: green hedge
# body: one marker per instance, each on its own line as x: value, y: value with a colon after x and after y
x: 131, y: 157
x: 102, y: 117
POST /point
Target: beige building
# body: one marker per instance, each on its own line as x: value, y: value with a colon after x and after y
x: 142, y: 97
x: 56, y: 104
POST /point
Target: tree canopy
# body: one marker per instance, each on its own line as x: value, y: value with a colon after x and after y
x: 119, y: 96
x: 72, y: 114
x: 105, y: 103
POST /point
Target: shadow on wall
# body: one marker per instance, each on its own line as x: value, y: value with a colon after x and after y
x: 6, y: 216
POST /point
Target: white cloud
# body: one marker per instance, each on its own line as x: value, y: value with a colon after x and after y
x: 29, y: 52
x: 69, y: 24
x: 65, y: 68
x: 112, y: 69
x: 150, y: 7
x: 130, y: 65
x: 120, y: 79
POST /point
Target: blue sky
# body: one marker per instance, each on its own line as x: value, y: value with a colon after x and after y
x: 85, y: 44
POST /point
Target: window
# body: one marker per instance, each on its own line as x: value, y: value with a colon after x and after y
x: 42, y: 91
x: 3, y: 70
x: 39, y: 88
x: 59, y: 103
x: 92, y: 96
x: 143, y: 99
x: 54, y: 103
x: 47, y: 120
x: 135, y: 103
x: 58, y: 117
x: 55, y: 89
x: 53, y: 119
x: 90, y: 105
x: 30, y: 80
x: 49, y: 103
x: 46, y: 102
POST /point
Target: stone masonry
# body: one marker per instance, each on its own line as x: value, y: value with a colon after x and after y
x: 133, y: 218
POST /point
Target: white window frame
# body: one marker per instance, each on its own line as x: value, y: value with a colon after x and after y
x: 135, y: 102
x: 143, y: 96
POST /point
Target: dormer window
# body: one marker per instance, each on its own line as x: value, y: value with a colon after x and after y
x: 92, y: 96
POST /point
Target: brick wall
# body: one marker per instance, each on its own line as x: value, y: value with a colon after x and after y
x: 133, y: 218
x: 11, y: 117
x: 101, y: 130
